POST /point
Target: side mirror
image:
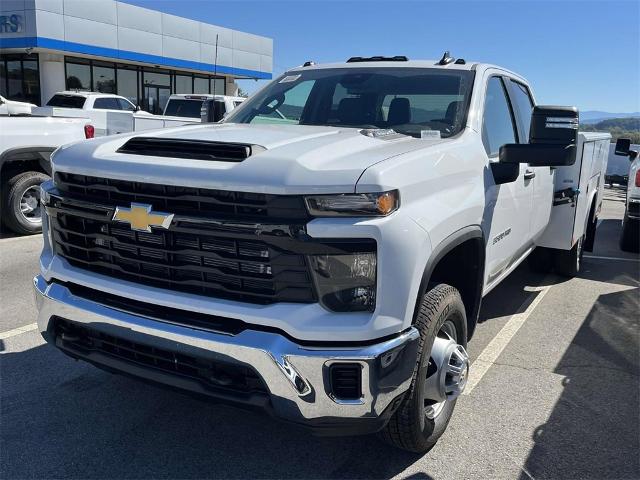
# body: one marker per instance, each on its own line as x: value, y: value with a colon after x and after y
x: 623, y: 148
x: 552, y: 139
x: 138, y: 108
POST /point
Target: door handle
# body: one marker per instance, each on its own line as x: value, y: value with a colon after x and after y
x: 529, y: 174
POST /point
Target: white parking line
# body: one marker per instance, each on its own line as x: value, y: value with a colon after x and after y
x: 620, y: 259
x: 15, y: 239
x: 492, y: 351
x: 18, y: 331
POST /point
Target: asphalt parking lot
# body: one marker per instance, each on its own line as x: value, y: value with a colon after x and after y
x: 554, y: 393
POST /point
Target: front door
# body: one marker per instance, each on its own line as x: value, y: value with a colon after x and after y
x: 155, y: 98
x: 541, y: 177
x: 506, y: 221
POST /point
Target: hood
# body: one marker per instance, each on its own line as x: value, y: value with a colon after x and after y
x: 293, y: 159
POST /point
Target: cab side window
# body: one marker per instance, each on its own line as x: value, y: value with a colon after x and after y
x: 106, y: 103
x: 497, y: 121
x: 524, y: 106
x: 125, y: 105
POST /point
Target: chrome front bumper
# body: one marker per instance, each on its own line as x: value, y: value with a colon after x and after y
x: 296, y: 376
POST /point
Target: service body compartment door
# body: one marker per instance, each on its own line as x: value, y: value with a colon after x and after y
x: 576, y: 186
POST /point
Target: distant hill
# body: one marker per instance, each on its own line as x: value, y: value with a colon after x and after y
x: 595, y: 116
x: 617, y: 127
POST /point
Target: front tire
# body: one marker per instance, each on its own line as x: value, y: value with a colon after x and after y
x: 420, y: 420
x: 21, y: 210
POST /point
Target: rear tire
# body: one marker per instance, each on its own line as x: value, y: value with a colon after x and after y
x: 541, y: 260
x: 568, y: 263
x: 417, y: 425
x: 630, y: 235
x: 21, y: 203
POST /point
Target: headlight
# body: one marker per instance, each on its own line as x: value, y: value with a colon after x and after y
x: 346, y: 282
x: 354, y: 205
x: 45, y: 199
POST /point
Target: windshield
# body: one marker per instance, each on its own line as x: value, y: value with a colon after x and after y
x: 66, y: 101
x: 183, y: 108
x: 407, y: 100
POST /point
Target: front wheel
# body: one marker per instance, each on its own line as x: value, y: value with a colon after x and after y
x: 440, y: 374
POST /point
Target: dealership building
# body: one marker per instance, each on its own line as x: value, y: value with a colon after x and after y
x: 145, y: 55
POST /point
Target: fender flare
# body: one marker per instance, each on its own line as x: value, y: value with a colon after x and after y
x: 42, y: 154
x: 471, y: 232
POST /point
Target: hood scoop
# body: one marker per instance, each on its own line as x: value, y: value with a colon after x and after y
x: 190, y: 149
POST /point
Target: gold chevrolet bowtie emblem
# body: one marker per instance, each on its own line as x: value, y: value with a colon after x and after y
x: 141, y: 218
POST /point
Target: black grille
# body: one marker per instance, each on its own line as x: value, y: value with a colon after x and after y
x: 237, y: 260
x: 82, y: 340
x: 191, y: 149
x: 184, y: 200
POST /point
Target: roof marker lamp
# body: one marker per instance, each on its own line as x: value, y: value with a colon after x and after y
x: 354, y: 205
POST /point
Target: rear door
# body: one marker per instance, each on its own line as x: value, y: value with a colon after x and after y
x: 508, y: 206
x: 541, y: 178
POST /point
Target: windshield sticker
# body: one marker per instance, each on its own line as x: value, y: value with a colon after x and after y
x: 289, y: 78
x: 430, y: 134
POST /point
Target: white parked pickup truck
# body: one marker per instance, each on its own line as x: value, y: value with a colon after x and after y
x: 329, y: 270
x: 189, y: 105
x: 630, y: 235
x: 110, y: 114
x: 25, y: 147
x: 12, y: 107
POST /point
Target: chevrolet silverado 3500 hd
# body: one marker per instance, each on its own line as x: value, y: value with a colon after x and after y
x: 323, y: 252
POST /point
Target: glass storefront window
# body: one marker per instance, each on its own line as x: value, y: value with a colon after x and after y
x: 128, y: 84
x: 78, y: 77
x: 200, y: 85
x: 14, y: 75
x: 104, y: 79
x: 20, y: 78
x: 157, y: 79
x: 183, y: 84
x: 31, y: 77
x: 3, y: 79
x: 220, y: 85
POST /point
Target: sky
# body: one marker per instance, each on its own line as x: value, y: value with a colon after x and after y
x: 573, y: 52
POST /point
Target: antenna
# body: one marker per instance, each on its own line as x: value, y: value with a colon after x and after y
x: 215, y: 67
x: 446, y: 59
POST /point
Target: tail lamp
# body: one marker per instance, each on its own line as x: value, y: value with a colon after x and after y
x: 89, y: 131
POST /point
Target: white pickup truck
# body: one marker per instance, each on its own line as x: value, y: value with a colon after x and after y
x: 189, y: 105
x: 630, y: 234
x: 109, y: 114
x: 329, y: 270
x: 12, y: 107
x: 25, y: 147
